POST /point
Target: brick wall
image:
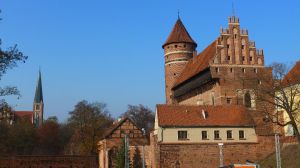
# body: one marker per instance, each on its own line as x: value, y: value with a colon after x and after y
x: 207, y: 155
x: 49, y: 162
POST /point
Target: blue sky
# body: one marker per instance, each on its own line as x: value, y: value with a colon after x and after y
x: 110, y: 51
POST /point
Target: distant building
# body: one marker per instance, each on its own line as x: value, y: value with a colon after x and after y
x: 113, y: 138
x: 36, y: 115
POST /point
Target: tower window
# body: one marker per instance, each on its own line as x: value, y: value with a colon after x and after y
x: 184, y: 45
x: 37, y: 107
x: 228, y: 58
x: 217, y: 70
x: 175, y: 46
x: 235, y: 36
x: 243, y: 70
x: 259, y: 82
x: 250, y: 58
x: 243, y: 58
x: 255, y: 70
x: 231, y: 70
x: 247, y: 100
x: 243, y: 46
x: 227, y: 45
x: 229, y: 100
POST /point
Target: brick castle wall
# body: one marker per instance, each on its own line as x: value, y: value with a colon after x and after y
x: 207, y: 155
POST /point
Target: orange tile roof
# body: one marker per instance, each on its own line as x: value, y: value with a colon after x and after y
x: 198, y: 64
x: 293, y: 76
x: 179, y: 34
x: 191, y: 116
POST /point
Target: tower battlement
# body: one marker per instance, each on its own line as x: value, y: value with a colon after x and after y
x: 233, y: 19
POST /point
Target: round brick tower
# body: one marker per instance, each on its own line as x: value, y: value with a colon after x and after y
x: 179, y: 48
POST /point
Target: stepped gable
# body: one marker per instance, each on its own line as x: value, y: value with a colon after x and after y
x: 293, y: 76
x: 179, y: 34
x: 192, y: 116
x: 198, y: 64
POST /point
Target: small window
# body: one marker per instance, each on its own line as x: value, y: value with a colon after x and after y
x: 243, y: 46
x: 259, y: 82
x: 250, y: 58
x: 229, y: 100
x: 241, y: 134
x: 204, y: 134
x: 235, y: 36
x: 227, y: 45
x: 255, y: 70
x: 217, y: 134
x: 243, y: 70
x: 175, y: 46
x: 174, y: 74
x: 37, y: 107
x: 247, y: 100
x: 182, y: 135
x: 184, y: 45
x: 231, y: 70
x: 228, y: 58
x: 243, y: 58
x: 217, y: 70
x: 229, y: 134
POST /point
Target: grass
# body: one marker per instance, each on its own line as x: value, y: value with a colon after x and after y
x: 290, y: 158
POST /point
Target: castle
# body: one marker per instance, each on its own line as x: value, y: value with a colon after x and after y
x: 211, y: 105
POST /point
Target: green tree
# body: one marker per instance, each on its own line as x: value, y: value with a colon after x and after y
x: 88, y: 121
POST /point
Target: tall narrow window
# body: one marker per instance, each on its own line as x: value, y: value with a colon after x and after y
x: 182, y: 135
x: 229, y: 134
x: 213, y: 98
x: 247, y: 100
x: 217, y: 134
x: 241, y: 134
x: 204, y: 134
x: 228, y: 57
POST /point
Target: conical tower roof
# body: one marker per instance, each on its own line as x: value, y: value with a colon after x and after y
x: 39, y: 90
x: 179, y: 34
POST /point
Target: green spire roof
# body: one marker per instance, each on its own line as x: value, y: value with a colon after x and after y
x: 39, y: 91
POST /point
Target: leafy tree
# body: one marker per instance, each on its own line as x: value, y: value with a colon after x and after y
x: 88, y: 121
x: 22, y: 138
x: 4, y: 128
x: 141, y: 115
x: 49, y: 138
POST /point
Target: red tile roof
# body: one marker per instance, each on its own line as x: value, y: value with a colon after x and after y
x: 293, y: 76
x: 198, y: 64
x: 191, y: 116
x: 179, y: 34
x: 24, y: 115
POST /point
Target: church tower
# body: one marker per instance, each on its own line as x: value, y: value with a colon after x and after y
x: 38, y: 104
x: 179, y: 48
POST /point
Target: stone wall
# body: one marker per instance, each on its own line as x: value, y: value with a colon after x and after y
x: 207, y: 155
x: 49, y: 162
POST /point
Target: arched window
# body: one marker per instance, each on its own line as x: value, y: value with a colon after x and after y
x: 247, y: 100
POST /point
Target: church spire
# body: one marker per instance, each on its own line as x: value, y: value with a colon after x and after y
x: 38, y: 98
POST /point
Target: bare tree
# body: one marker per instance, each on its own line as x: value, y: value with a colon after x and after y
x: 281, y: 91
x: 141, y: 115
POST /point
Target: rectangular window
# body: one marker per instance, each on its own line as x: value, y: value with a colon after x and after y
x: 227, y: 45
x: 250, y: 58
x: 217, y: 134
x: 241, y: 134
x: 229, y: 134
x: 243, y: 58
x: 204, y: 134
x: 182, y: 135
x: 231, y: 70
x: 243, y: 46
x: 228, y: 100
x: 228, y: 58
